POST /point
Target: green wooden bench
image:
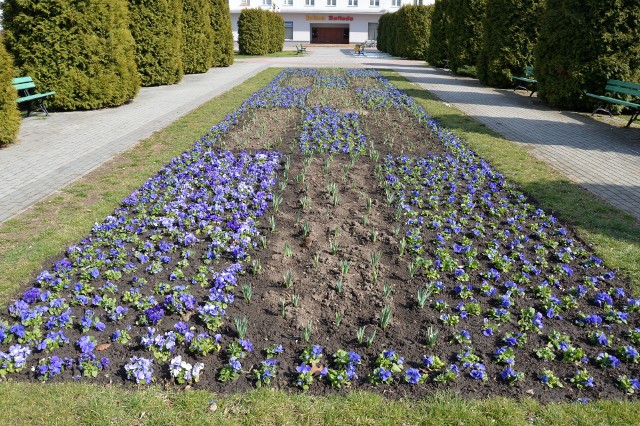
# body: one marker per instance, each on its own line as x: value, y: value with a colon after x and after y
x: 24, y: 85
x: 300, y: 50
x: 621, y: 88
x: 526, y: 81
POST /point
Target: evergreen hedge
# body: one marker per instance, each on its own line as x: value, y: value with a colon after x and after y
x: 222, y: 33
x: 438, y: 47
x: 197, y: 55
x: 510, y: 34
x: 156, y: 26
x: 83, y: 51
x: 9, y: 114
x: 584, y: 43
x: 255, y: 31
x: 387, y: 26
x: 464, y: 32
x: 413, y: 38
x: 415, y: 21
x: 276, y: 31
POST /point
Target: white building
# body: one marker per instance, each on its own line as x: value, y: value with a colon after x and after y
x: 325, y: 21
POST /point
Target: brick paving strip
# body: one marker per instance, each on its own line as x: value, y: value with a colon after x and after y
x: 54, y: 151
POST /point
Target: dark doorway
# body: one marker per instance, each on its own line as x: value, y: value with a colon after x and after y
x: 330, y: 35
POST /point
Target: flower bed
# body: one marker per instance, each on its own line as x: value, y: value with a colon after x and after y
x: 362, y: 248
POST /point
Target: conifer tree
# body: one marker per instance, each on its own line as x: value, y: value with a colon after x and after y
x: 9, y: 114
x: 82, y: 50
x: 156, y: 26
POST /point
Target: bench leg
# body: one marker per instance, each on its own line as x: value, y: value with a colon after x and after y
x: 43, y: 108
x: 633, y: 117
x: 599, y: 108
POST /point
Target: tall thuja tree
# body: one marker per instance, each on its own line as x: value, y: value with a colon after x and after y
x: 197, y: 54
x: 382, y: 32
x: 413, y: 38
x: 276, y: 31
x: 584, y: 43
x: 83, y: 50
x: 9, y: 114
x: 438, y: 45
x: 464, y: 32
x: 222, y: 33
x: 156, y: 26
x: 510, y: 34
x: 253, y: 32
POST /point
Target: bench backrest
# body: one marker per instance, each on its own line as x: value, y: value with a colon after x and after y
x: 625, y: 87
x: 528, y: 71
x: 22, y: 83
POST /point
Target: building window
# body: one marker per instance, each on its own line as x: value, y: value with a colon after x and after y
x: 373, y: 31
x: 287, y: 2
x: 331, y: 2
x: 288, y: 30
x: 374, y: 2
x: 309, y: 2
x: 266, y: 2
x: 417, y: 2
x: 353, y: 2
x: 245, y: 3
x: 396, y: 3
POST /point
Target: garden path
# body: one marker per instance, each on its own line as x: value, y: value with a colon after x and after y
x: 54, y: 151
x: 601, y: 157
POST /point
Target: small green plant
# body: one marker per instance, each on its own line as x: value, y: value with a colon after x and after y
x: 305, y: 202
x: 295, y: 300
x: 371, y: 338
x: 306, y: 229
x: 387, y: 289
x: 306, y: 331
x: 333, y: 247
x: 339, y: 315
x: 365, y: 220
x: 247, y: 291
x: 272, y: 223
x: 332, y: 188
x: 411, y: 267
x: 283, y: 308
x: 335, y: 199
x: 256, y: 266
x: 344, y: 267
x: 339, y: 286
x: 316, y: 260
x: 374, y: 259
x: 423, y: 297
x: 369, y: 204
x: 385, y: 316
x: 288, y: 278
x: 241, y: 326
x: 373, y: 236
x: 263, y: 242
x: 432, y: 336
x: 276, y: 201
x: 402, y: 246
x: 360, y: 334
x: 287, y: 250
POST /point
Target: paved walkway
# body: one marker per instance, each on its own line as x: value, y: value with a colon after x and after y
x: 602, y: 158
x: 54, y: 151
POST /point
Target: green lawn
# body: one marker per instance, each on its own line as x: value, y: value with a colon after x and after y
x: 42, y: 232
